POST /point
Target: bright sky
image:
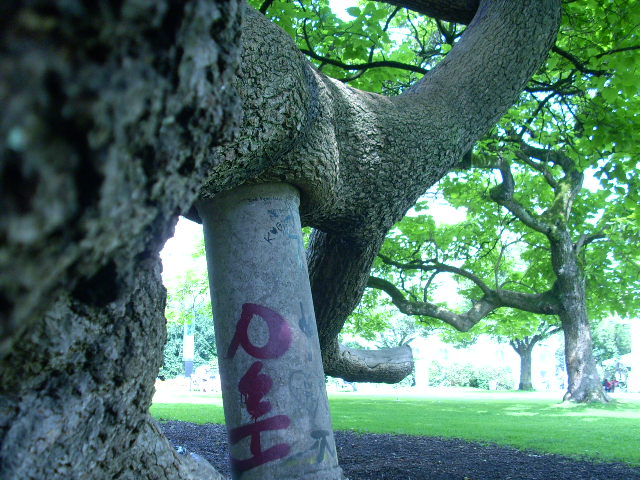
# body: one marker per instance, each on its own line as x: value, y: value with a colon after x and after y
x: 177, y: 259
x: 176, y: 254
x: 340, y: 6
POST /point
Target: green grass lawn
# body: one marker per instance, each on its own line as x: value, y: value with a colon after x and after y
x: 523, y: 420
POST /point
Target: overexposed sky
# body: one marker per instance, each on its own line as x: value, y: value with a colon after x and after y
x: 176, y: 254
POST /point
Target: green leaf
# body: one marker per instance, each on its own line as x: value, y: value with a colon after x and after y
x: 353, y: 11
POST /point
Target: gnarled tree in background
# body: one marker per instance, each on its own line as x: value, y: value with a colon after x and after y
x: 118, y: 114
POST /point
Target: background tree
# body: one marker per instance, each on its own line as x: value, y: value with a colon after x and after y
x: 611, y: 341
x: 542, y: 150
x: 546, y: 231
x: 523, y: 331
x: 189, y: 302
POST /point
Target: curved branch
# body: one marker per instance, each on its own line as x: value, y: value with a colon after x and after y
x: 539, y: 167
x: 542, y: 303
x: 567, y: 188
x: 364, y: 66
x: 546, y: 155
x: 546, y: 333
x: 618, y: 50
x: 437, y: 267
x: 338, y: 271
x: 503, y: 195
x: 459, y: 11
x: 460, y: 321
x: 484, y: 63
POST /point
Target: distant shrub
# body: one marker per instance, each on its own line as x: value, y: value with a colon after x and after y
x: 468, y: 375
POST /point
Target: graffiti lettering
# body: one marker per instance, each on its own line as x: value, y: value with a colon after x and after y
x: 253, y: 387
x: 279, y: 333
x: 322, y: 445
x: 305, y: 322
x: 260, y: 456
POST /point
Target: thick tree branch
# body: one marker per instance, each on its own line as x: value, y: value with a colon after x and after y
x: 459, y: 11
x: 503, y: 195
x: 364, y: 66
x: 541, y: 303
x: 384, y: 365
x: 450, y: 87
x: 460, y: 321
x: 586, y: 239
x: 438, y: 267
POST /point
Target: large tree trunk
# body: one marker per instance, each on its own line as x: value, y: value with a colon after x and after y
x: 77, y: 387
x: 584, y: 384
x: 341, y: 147
x: 525, y: 371
x: 109, y: 110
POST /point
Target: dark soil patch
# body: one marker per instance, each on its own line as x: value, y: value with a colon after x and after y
x: 403, y: 457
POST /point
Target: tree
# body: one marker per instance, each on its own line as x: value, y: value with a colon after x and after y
x: 189, y: 302
x: 548, y: 231
x: 611, y: 340
x: 524, y: 348
x: 117, y: 116
x: 521, y: 330
x: 541, y: 151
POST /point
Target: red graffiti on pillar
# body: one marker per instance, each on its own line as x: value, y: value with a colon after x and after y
x: 279, y: 333
x: 260, y: 456
x: 253, y: 386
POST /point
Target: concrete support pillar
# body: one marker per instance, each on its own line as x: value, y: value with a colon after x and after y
x: 273, y: 388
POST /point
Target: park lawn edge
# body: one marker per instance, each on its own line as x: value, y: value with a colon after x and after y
x: 475, y: 421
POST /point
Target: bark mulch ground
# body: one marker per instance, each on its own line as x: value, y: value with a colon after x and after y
x: 403, y: 457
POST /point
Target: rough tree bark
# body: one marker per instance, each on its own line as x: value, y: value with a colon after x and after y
x: 341, y: 146
x: 584, y: 383
x: 114, y: 114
